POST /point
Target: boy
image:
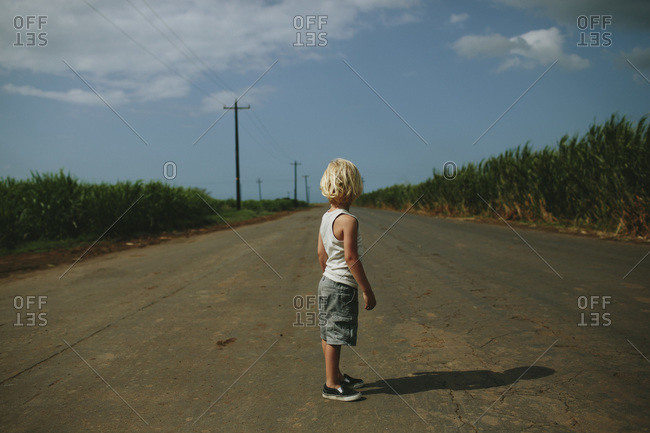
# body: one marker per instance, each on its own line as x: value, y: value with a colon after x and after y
x: 339, y: 249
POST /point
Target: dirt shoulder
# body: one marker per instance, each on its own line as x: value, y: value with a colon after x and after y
x: 541, y: 226
x: 22, y: 263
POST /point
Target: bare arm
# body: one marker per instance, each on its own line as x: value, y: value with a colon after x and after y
x: 322, y: 255
x: 350, y: 227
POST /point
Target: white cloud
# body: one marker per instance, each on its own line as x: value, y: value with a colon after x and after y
x: 242, y: 36
x: 75, y: 96
x: 483, y: 46
x: 458, y: 18
x: 399, y: 20
x: 528, y: 50
x: 162, y: 87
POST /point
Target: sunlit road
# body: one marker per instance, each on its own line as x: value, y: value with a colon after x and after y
x: 206, y: 334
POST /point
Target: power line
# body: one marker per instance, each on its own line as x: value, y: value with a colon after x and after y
x: 268, y: 133
x: 266, y: 149
x: 148, y: 51
x: 266, y: 137
x: 257, y: 142
x: 215, y: 77
x: 212, y: 74
x: 164, y: 35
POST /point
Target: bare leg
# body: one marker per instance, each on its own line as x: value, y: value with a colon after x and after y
x: 332, y: 358
x: 340, y: 375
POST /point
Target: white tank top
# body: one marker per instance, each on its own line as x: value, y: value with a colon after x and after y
x: 336, y: 268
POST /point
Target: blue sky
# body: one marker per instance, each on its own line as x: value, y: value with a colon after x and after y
x: 449, y: 68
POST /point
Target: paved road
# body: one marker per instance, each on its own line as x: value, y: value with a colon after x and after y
x: 200, y: 334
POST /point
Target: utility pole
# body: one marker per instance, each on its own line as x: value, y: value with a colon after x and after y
x: 295, y: 182
x: 236, y: 108
x: 259, y: 187
x: 306, y: 187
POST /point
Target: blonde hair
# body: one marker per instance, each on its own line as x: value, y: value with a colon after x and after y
x: 341, y: 183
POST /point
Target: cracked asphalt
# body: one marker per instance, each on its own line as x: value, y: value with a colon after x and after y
x: 474, y: 331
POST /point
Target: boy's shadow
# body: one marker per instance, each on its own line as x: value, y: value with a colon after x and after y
x: 454, y: 380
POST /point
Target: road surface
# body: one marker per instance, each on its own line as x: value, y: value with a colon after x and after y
x: 477, y: 328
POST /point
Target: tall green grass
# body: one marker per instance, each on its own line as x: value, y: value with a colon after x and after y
x: 598, y: 181
x: 50, y: 207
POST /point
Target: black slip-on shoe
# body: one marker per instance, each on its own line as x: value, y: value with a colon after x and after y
x: 351, y: 382
x: 347, y: 394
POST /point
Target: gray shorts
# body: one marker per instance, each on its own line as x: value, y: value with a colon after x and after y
x: 338, y: 312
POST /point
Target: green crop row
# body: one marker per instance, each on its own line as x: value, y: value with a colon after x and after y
x: 599, y: 181
x: 58, y: 206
